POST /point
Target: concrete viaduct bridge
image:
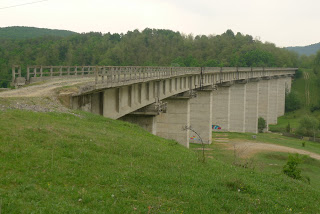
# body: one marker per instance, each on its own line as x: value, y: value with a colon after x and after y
x: 164, y: 100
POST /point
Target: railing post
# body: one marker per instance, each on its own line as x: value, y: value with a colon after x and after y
x: 51, y: 71
x: 60, y: 71
x: 96, y: 74
x: 76, y: 71
x: 41, y: 71
x: 103, y: 73
x: 28, y: 73
x: 13, y: 73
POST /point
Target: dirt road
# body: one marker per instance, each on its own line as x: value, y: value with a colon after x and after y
x: 46, y: 89
x: 247, y: 149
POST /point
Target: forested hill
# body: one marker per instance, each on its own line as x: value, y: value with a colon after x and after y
x: 306, y: 50
x: 31, y: 32
x: 150, y: 47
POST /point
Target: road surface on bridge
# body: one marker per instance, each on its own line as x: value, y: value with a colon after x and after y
x: 46, y: 88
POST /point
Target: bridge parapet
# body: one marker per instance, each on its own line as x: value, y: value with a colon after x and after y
x: 114, y: 75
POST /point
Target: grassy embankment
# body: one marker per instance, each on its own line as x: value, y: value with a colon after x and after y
x: 308, y: 92
x: 64, y: 163
x: 266, y: 161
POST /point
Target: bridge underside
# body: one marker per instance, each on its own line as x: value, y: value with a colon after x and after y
x: 170, y: 107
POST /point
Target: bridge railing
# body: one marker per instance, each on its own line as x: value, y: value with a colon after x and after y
x: 118, y: 74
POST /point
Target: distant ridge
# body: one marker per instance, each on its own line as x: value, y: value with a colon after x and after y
x: 306, y: 50
x: 17, y: 32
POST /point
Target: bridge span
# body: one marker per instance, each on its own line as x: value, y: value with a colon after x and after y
x: 165, y: 100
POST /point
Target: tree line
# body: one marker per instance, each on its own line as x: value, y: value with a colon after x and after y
x: 150, y: 47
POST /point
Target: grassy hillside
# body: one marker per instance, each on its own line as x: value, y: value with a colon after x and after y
x: 31, y: 32
x: 82, y: 163
x: 306, y: 50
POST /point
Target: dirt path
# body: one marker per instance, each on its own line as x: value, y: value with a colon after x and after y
x: 248, y: 149
x: 46, y: 89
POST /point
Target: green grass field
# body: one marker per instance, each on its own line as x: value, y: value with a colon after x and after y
x: 270, y: 162
x: 82, y: 163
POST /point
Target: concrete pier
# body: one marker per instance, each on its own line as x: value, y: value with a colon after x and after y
x: 281, y: 96
x: 221, y: 108
x: 201, y: 117
x: 171, y: 124
x: 263, y: 103
x: 237, y: 107
x: 252, y: 103
x: 147, y: 122
x: 273, y: 102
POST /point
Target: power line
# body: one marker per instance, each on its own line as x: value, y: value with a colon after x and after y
x: 22, y: 4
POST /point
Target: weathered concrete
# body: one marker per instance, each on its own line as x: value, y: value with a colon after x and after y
x: 252, y: 103
x: 281, y: 96
x: 237, y: 107
x: 273, y: 102
x: 288, y: 81
x: 263, y: 103
x: 171, y: 124
x: 147, y: 122
x: 201, y: 117
x: 221, y: 108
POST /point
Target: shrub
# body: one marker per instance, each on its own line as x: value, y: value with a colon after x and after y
x: 261, y: 124
x: 291, y: 167
x: 308, y: 126
x: 288, y: 128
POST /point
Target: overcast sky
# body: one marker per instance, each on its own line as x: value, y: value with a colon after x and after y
x: 283, y: 22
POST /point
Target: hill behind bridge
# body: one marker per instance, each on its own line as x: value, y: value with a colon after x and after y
x: 18, y: 32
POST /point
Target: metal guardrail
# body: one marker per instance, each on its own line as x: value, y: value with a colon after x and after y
x: 117, y: 74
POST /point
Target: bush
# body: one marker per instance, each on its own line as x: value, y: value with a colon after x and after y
x: 288, y: 128
x: 308, y: 126
x: 261, y: 124
x: 291, y: 167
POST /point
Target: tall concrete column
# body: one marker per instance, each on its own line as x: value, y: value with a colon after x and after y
x: 252, y: 103
x: 263, y: 107
x: 147, y: 122
x: 171, y: 125
x: 281, y: 96
x: 273, y: 102
x: 237, y: 107
x: 288, y: 81
x: 221, y: 107
x: 201, y: 117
